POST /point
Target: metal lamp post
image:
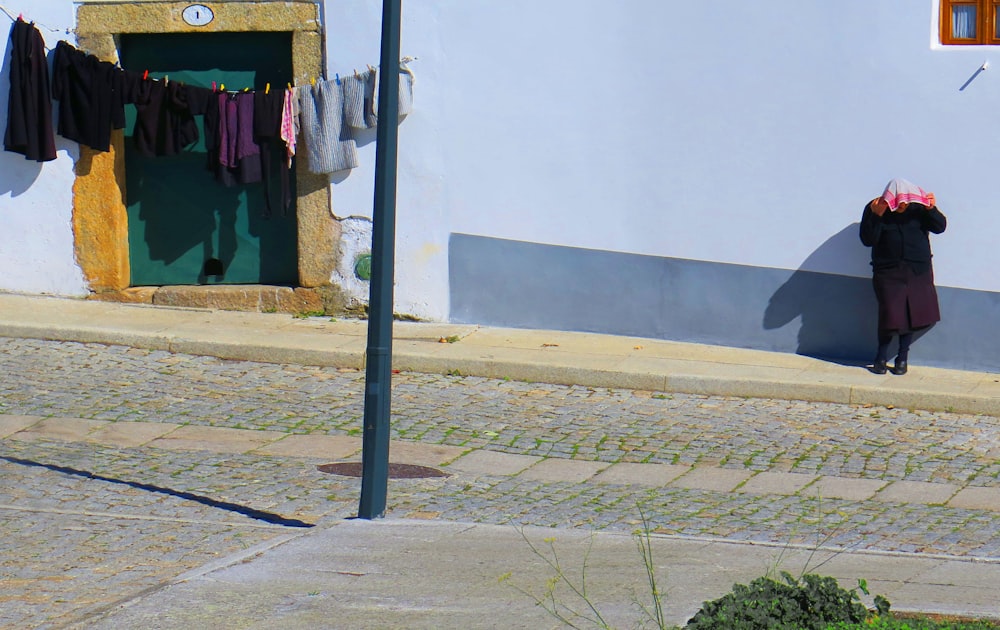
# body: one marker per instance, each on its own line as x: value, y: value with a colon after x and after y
x: 378, y: 374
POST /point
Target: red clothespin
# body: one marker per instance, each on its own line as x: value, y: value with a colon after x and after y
x: 145, y: 75
x: 213, y: 86
x: 20, y: 17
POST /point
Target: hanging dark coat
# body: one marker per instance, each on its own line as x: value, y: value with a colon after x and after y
x: 29, y: 113
x: 232, y: 154
x: 164, y: 123
x: 267, y: 133
x: 91, y: 97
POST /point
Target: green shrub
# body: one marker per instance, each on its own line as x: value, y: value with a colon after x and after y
x: 811, y: 603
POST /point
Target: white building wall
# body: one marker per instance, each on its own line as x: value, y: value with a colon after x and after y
x: 36, y: 232
x: 723, y: 131
x: 719, y: 131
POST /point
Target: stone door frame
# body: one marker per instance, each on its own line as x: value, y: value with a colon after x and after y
x: 100, y: 220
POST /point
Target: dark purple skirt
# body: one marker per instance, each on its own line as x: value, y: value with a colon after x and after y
x: 907, y: 301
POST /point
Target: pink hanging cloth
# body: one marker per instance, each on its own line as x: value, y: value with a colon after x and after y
x: 290, y: 121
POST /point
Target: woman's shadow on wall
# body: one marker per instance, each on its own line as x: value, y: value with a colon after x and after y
x: 838, y: 311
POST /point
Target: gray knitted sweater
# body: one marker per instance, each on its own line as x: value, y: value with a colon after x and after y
x: 329, y: 145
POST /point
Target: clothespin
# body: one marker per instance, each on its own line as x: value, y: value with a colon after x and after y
x: 20, y: 17
x: 337, y: 76
x: 356, y: 76
x: 289, y: 87
x: 145, y: 75
x: 222, y: 88
x: 313, y: 80
x: 166, y: 79
x: 246, y: 89
x: 267, y: 88
x: 213, y: 86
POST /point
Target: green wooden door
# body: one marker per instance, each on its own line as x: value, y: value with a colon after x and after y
x: 184, y: 226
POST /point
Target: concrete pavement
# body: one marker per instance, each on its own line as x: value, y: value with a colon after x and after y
x: 429, y: 571
x: 527, y: 355
x: 431, y: 575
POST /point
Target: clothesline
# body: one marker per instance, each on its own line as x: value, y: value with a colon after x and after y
x: 92, y: 96
x: 221, y: 87
x: 402, y: 62
x: 402, y: 66
x: 21, y: 17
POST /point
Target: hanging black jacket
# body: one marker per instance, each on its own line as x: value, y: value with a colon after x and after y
x: 29, y: 115
x: 164, y: 122
x: 91, y: 97
x: 267, y: 133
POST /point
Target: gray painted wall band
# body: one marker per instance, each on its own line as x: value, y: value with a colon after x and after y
x: 516, y: 284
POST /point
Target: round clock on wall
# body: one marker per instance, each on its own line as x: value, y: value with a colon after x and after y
x: 198, y: 15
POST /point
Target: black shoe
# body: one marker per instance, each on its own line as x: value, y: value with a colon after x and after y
x: 899, y: 368
x: 879, y: 367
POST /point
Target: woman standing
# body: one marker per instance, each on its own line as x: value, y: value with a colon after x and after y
x: 897, y: 226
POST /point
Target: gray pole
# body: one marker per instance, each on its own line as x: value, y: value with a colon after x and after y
x: 378, y: 374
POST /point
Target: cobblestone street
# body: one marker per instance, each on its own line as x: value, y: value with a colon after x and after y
x: 88, y: 524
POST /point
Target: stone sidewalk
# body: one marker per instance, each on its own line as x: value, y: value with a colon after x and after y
x: 478, y: 462
x: 138, y: 474
x: 301, y: 560
x: 526, y: 355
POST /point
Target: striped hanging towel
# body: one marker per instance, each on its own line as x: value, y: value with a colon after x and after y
x: 405, y: 95
x: 354, y: 99
x: 329, y: 145
x: 290, y: 121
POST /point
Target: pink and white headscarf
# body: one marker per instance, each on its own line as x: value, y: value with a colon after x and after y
x: 899, y: 191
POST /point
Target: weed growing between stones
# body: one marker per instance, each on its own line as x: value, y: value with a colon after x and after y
x: 809, y: 602
x: 583, y: 609
x: 775, y: 601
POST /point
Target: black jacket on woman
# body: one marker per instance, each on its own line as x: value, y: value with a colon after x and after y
x: 902, y: 275
x: 902, y: 237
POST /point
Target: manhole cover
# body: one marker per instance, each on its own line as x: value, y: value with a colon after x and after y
x: 396, y: 471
